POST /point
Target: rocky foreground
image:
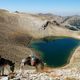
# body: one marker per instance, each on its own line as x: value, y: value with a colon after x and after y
x: 59, y: 74
x: 53, y: 74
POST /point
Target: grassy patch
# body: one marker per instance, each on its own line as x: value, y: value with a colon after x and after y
x: 70, y: 78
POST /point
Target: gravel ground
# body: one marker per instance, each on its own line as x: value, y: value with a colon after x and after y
x: 54, y: 74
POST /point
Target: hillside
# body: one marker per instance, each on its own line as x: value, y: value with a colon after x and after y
x: 72, y: 23
x: 18, y: 29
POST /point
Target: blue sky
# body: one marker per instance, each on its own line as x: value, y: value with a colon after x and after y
x: 61, y: 7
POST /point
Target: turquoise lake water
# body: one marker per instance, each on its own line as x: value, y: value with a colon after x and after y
x: 56, y: 53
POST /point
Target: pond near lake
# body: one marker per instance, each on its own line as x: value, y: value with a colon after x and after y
x: 55, y: 52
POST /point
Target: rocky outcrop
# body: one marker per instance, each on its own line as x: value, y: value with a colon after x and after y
x: 72, y: 23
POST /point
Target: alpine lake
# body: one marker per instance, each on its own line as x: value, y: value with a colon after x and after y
x: 55, y: 51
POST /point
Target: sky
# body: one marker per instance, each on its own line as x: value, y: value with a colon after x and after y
x: 59, y: 7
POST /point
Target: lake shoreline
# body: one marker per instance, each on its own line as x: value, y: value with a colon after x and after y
x: 51, y: 38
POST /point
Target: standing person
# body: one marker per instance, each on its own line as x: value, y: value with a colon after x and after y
x: 32, y: 60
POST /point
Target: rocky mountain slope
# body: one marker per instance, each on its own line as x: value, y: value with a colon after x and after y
x: 18, y: 29
x: 72, y: 23
x: 69, y: 22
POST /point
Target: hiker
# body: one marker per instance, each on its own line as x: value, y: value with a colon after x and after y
x: 32, y: 60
